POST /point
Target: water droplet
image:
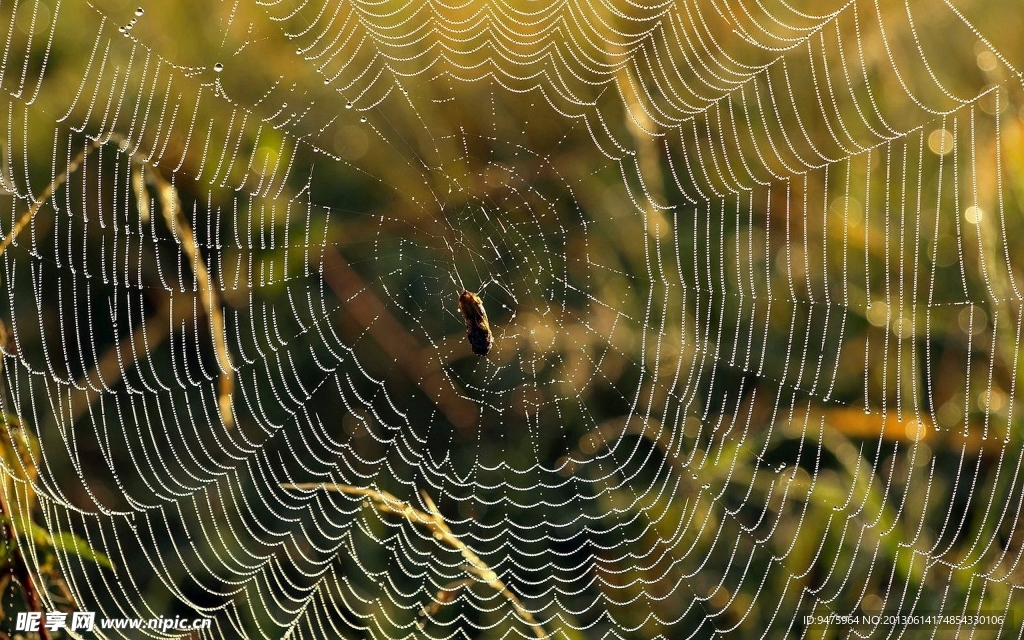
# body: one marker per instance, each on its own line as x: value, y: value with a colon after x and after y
x: 140, y: 11
x: 363, y: 119
x: 122, y: 29
x: 218, y: 67
x: 348, y: 105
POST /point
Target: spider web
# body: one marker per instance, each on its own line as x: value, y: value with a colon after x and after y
x: 751, y: 272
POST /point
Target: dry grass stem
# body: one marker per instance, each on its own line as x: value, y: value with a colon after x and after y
x: 47, y: 192
x: 432, y: 521
x: 170, y: 206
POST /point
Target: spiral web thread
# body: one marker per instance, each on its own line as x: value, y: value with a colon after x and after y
x: 751, y: 269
